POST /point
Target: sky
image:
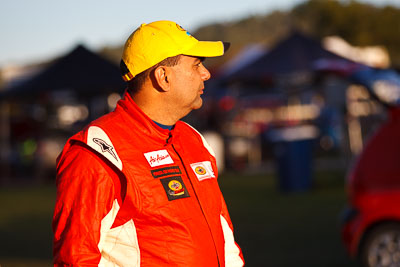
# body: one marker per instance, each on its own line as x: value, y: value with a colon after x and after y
x: 32, y: 31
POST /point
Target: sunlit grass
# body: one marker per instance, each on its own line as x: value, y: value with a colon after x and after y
x: 273, y: 228
x: 25, y: 226
x: 287, y: 229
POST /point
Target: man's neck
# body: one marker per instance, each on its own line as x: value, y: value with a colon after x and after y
x: 155, y: 108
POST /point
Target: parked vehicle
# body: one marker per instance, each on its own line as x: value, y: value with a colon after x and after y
x: 371, y: 223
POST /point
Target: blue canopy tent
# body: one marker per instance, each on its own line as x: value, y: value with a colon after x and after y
x: 84, y: 72
x: 78, y: 84
x: 297, y: 54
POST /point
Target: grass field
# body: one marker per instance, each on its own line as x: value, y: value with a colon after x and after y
x: 273, y: 229
x: 291, y: 229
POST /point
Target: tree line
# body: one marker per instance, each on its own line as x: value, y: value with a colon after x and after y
x: 358, y: 23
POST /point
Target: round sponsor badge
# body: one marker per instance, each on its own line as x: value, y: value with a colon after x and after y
x: 200, y: 170
x: 175, y: 185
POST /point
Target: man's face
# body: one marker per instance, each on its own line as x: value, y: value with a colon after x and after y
x: 188, y: 83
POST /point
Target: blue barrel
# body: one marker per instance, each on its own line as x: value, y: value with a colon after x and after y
x: 294, y: 165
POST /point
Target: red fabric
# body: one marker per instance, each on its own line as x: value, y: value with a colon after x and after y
x: 84, y: 197
x: 179, y: 232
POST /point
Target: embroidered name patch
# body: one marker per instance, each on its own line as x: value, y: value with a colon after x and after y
x: 166, y: 171
x: 203, y: 170
x: 174, y: 188
x: 158, y: 158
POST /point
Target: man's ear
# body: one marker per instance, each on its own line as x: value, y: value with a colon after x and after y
x: 162, y: 76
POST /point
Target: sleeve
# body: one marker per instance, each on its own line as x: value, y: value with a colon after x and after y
x: 86, y: 205
x: 233, y: 253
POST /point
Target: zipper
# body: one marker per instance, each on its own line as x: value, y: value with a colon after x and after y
x: 169, y: 139
x: 201, y: 208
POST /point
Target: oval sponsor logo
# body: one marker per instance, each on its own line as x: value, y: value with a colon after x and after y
x: 200, y: 170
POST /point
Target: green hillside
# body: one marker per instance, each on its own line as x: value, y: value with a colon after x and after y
x: 359, y: 24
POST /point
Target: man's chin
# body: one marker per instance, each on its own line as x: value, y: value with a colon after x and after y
x: 198, y: 104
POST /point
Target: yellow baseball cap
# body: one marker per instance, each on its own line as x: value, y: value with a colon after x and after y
x: 152, y: 43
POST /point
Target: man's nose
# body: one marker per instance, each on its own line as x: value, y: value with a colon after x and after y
x: 205, y: 74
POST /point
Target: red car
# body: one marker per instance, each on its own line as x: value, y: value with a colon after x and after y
x: 371, y: 225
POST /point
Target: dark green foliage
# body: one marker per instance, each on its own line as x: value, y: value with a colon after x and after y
x: 359, y: 24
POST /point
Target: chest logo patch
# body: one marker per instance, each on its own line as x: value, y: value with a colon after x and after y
x: 203, y: 170
x: 166, y: 171
x: 105, y: 147
x: 174, y: 188
x: 158, y: 158
x: 99, y: 141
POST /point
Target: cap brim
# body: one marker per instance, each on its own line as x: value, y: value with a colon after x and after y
x: 208, y: 49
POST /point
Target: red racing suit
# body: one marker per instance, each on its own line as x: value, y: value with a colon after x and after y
x: 130, y: 193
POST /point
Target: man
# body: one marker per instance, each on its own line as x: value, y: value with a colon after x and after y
x: 138, y: 187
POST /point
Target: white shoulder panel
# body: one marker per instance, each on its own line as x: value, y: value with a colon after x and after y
x: 206, y: 145
x: 232, y: 258
x: 99, y: 141
x: 121, y: 247
x: 107, y: 222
